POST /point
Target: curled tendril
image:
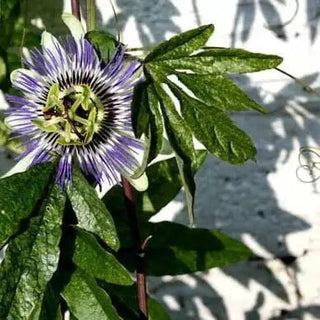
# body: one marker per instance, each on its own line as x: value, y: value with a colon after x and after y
x: 309, y: 164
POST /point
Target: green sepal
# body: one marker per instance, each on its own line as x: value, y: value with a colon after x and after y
x: 96, y: 261
x: 31, y: 260
x: 104, y: 43
x: 20, y: 196
x: 90, y: 211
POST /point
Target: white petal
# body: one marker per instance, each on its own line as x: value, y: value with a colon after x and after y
x: 48, y: 40
x: 21, y: 166
x: 140, y: 184
x: 74, y: 25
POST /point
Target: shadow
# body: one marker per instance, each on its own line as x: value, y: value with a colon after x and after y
x: 253, y: 314
x: 187, y: 303
x: 313, y: 17
x: 247, y: 12
x: 227, y: 197
x: 153, y: 19
x: 229, y: 202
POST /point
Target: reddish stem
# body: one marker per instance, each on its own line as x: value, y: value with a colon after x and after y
x: 75, y: 8
x: 140, y: 246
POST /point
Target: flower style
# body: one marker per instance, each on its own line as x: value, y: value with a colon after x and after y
x: 77, y: 107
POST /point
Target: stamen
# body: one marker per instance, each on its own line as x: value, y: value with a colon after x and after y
x: 74, y: 113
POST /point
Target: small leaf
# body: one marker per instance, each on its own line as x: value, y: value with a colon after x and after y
x: 140, y: 109
x: 220, y: 61
x: 213, y: 128
x: 149, y: 121
x: 181, y: 45
x: 91, y: 212
x: 176, y: 249
x: 156, y: 124
x: 104, y: 42
x: 30, y: 261
x: 180, y: 138
x: 93, y: 259
x: 50, y: 308
x: 218, y: 91
x: 20, y: 194
x: 164, y: 185
x: 86, y: 300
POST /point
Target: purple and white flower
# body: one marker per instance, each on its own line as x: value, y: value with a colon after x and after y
x: 77, y: 108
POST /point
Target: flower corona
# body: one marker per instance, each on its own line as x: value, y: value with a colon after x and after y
x: 77, y: 107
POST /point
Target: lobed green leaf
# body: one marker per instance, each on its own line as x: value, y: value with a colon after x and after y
x: 215, y: 130
x: 20, y: 196
x: 218, y: 91
x: 180, y: 138
x: 181, y: 45
x: 91, y: 212
x: 221, y: 61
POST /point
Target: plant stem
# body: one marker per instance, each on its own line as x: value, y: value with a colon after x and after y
x: 140, y: 247
x: 75, y: 8
x: 91, y: 14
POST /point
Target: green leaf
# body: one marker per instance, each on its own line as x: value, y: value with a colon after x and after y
x: 93, y: 259
x: 104, y: 43
x: 50, y: 308
x: 215, y: 130
x: 91, y: 212
x: 30, y: 261
x: 20, y: 194
x: 181, y: 45
x: 164, y: 185
x: 156, y: 124
x: 220, y: 61
x: 176, y: 249
x: 125, y: 300
x: 218, y: 91
x: 140, y: 109
x: 149, y: 122
x: 86, y: 300
x: 180, y: 138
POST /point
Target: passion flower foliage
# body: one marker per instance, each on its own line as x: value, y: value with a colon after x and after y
x: 66, y: 250
x: 75, y: 106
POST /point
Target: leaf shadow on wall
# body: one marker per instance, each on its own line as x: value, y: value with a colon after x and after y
x: 271, y: 11
x: 227, y: 200
x: 152, y: 19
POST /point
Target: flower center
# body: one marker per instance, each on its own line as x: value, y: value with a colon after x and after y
x: 74, y: 113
